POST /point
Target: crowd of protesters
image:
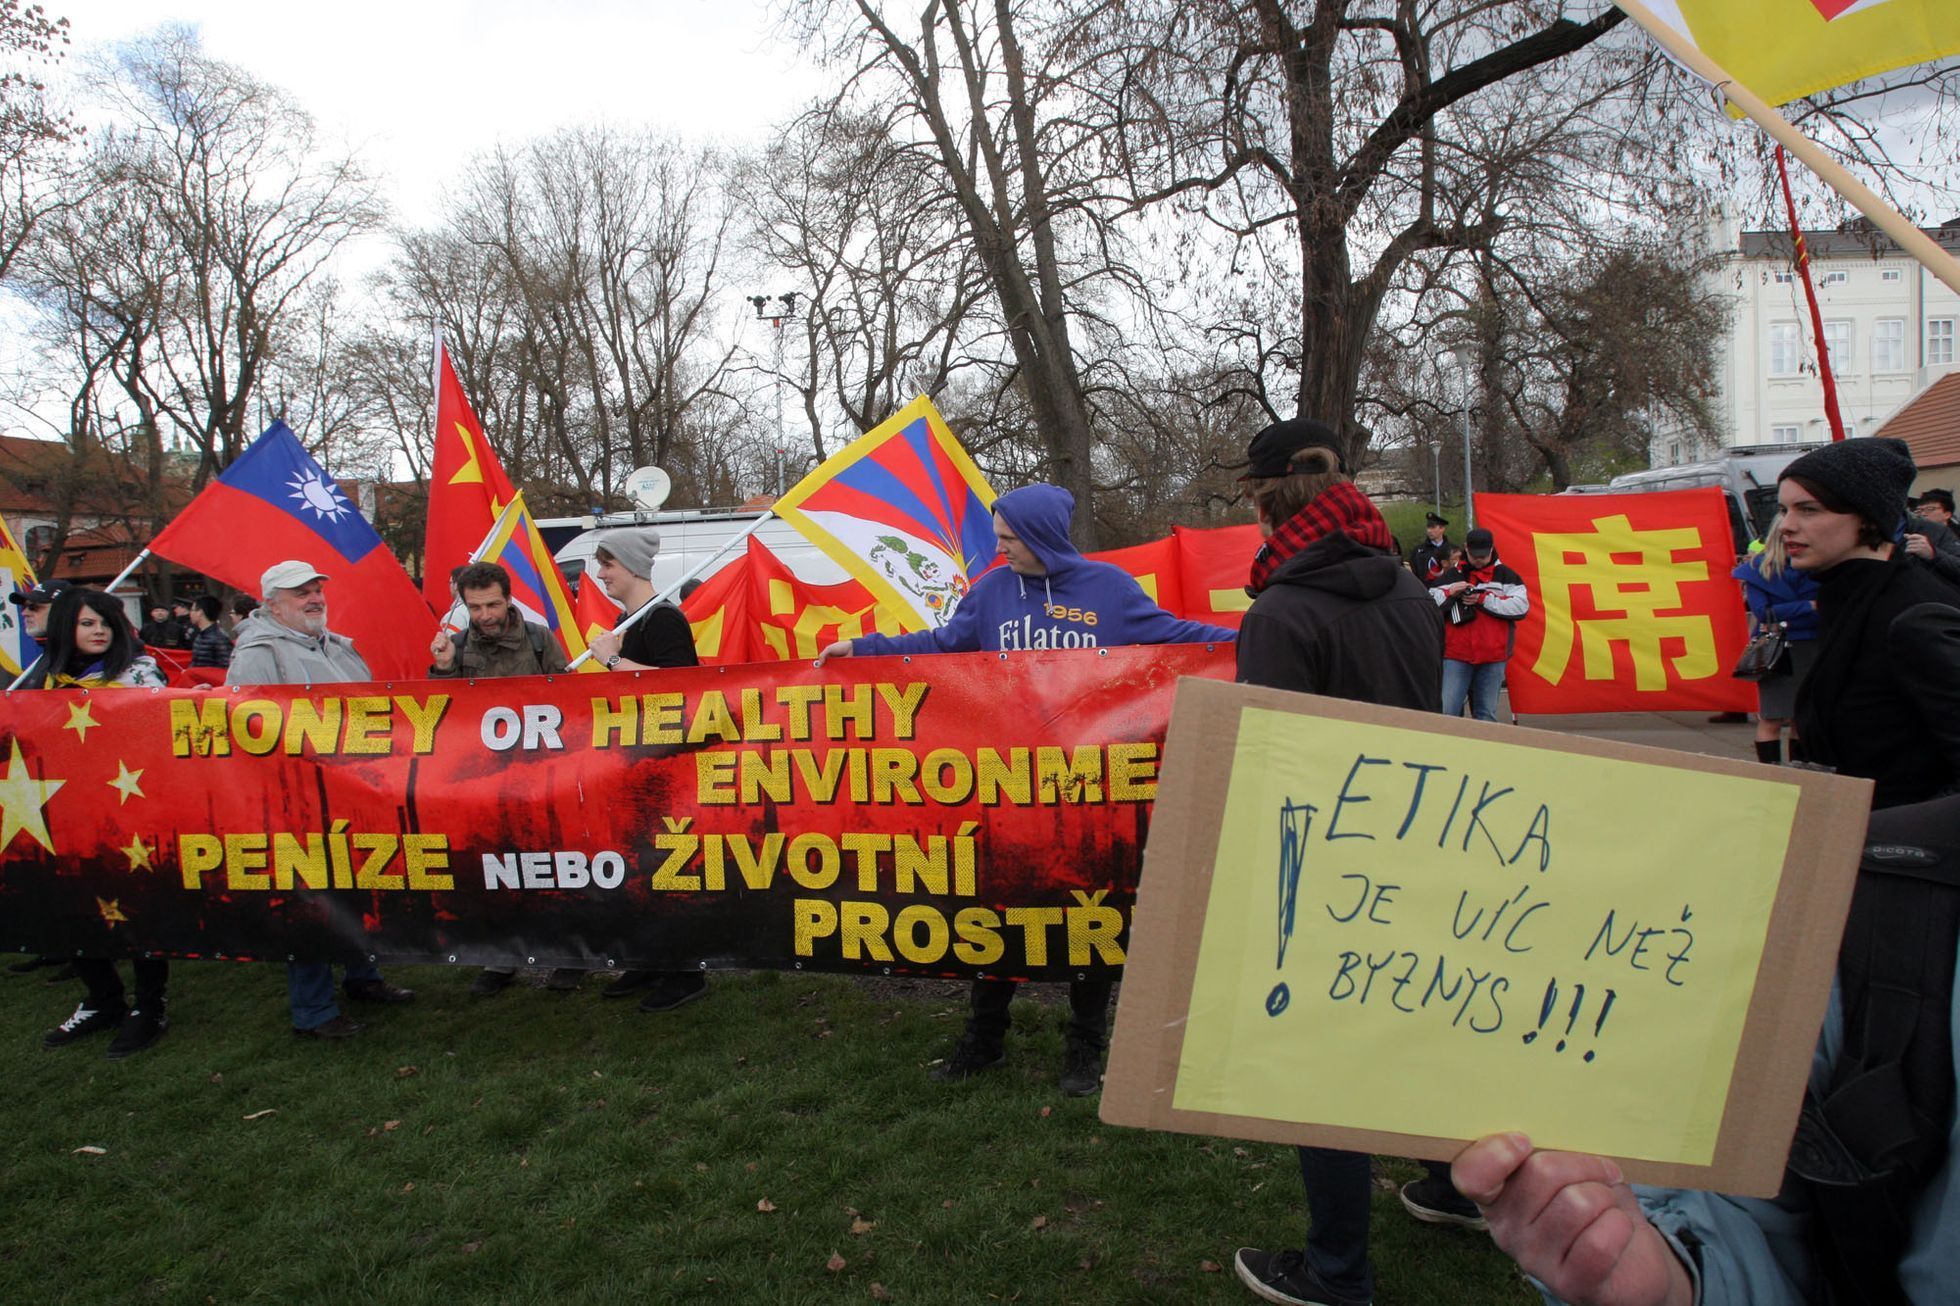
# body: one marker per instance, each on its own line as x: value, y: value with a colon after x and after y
x: 1336, y: 612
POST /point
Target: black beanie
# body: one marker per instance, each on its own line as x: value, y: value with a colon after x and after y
x: 1871, y: 476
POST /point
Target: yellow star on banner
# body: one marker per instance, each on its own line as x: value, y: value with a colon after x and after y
x: 111, y: 912
x: 21, y: 799
x: 80, y: 721
x: 138, y: 853
x: 127, y: 782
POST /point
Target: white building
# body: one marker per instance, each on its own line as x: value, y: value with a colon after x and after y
x: 1889, y: 324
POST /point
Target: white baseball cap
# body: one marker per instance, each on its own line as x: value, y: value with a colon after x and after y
x: 288, y: 575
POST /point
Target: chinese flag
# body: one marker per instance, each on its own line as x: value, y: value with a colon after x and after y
x: 1633, y: 608
x: 468, y: 490
x: 1216, y: 565
x: 1786, y: 49
x: 275, y: 503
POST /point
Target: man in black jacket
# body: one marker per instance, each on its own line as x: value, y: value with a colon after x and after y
x: 1432, y: 557
x: 1334, y: 612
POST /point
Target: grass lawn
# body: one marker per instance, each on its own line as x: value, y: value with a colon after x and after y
x: 776, y: 1142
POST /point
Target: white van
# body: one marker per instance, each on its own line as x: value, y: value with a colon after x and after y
x: 1746, y: 475
x: 689, y: 539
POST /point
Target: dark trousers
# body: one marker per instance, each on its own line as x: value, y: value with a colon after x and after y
x: 1339, y: 1185
x: 1088, y: 1002
x: 105, y: 986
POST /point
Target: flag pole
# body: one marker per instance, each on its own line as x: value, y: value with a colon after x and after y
x: 638, y: 613
x: 1888, y: 219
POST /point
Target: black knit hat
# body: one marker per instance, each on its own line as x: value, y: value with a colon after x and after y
x: 1870, y: 476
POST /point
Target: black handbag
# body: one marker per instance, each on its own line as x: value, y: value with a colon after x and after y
x: 1767, y: 654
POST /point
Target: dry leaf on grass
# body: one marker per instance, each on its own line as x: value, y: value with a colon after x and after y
x: 407, y: 1072
x: 390, y: 1126
x: 1210, y: 1267
x: 878, y: 1293
x: 91, y: 1150
x: 260, y: 1115
x: 409, y: 1187
x: 1047, y: 1111
x: 862, y: 1226
x: 765, y: 1206
x: 470, y: 1249
x: 1040, y: 1222
x: 835, y: 1263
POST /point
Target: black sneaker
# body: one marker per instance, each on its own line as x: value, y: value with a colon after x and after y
x: 669, y: 991
x: 338, y: 1028
x: 86, y: 1020
x: 1081, y: 1069
x: 1285, y: 1277
x: 565, y: 979
x: 140, y: 1028
x: 490, y: 983
x: 375, y: 990
x: 627, y: 983
x: 970, y: 1058
x: 1434, y: 1199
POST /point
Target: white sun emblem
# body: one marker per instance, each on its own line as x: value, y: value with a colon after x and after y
x: 320, y: 495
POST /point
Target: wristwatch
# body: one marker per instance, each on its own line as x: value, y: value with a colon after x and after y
x: 612, y: 662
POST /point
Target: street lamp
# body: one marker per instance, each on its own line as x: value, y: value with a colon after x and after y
x: 775, y: 319
x: 1467, y: 360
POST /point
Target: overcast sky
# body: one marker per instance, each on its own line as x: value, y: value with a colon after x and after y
x: 420, y: 85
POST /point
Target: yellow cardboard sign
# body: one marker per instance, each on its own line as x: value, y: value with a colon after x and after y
x: 1380, y: 929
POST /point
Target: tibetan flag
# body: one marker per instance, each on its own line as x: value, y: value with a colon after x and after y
x: 16, y: 575
x: 1786, y: 49
x: 536, y: 584
x: 275, y: 503
x: 468, y: 490
x: 903, y: 509
x: 1632, y: 605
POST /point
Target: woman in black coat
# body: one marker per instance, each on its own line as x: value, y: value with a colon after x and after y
x: 1882, y: 699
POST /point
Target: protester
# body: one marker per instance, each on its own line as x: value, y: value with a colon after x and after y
x: 160, y: 631
x: 89, y: 646
x: 1434, y: 555
x: 1047, y: 596
x: 286, y: 642
x: 662, y: 638
x: 1870, y: 1204
x: 242, y: 606
x: 1929, y: 536
x: 498, y: 641
x: 211, y: 646
x: 1334, y: 613
x: 1482, y: 601
x: 1780, y: 595
x: 1882, y: 698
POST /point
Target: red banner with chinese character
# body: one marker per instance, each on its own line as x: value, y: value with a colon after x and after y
x: 1632, y: 605
x: 880, y: 814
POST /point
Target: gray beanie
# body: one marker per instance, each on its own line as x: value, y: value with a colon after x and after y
x: 632, y: 547
x: 1871, y: 476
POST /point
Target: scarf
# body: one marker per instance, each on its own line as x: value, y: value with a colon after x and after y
x: 1338, y: 508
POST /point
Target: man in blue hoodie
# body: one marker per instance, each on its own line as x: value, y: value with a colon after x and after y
x: 1048, y: 596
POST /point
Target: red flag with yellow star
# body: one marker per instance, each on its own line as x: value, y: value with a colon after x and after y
x: 468, y: 490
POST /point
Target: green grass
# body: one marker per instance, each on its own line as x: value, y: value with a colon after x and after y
x: 536, y: 1147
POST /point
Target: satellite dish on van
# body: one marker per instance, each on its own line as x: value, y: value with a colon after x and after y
x: 648, y: 487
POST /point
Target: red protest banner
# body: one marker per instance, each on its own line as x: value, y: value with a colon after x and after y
x: 1632, y: 605
x: 881, y: 814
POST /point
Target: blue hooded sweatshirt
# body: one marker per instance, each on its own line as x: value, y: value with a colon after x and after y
x: 1080, y: 603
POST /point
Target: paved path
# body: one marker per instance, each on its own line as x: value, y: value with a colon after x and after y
x: 1689, y: 731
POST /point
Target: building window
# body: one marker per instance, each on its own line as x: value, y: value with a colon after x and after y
x: 1837, y: 339
x: 1889, y: 345
x: 1939, y: 341
x: 1785, y: 349
x: 1890, y: 274
x: 1785, y: 434
x: 1835, y: 279
x: 1850, y: 430
x: 1784, y: 276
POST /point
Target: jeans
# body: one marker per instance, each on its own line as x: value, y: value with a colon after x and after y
x: 309, y: 988
x: 1339, y: 1185
x: 1479, y: 682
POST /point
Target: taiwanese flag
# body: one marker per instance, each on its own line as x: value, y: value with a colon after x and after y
x: 1632, y: 605
x: 468, y: 490
x: 275, y: 503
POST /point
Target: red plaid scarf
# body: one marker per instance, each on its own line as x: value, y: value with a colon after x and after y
x: 1337, y: 508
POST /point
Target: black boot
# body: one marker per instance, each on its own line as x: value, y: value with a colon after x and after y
x: 1770, y: 751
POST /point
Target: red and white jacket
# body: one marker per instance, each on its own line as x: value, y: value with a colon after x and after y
x: 1482, y: 631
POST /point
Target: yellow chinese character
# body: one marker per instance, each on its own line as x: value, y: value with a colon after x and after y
x: 1636, y: 575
